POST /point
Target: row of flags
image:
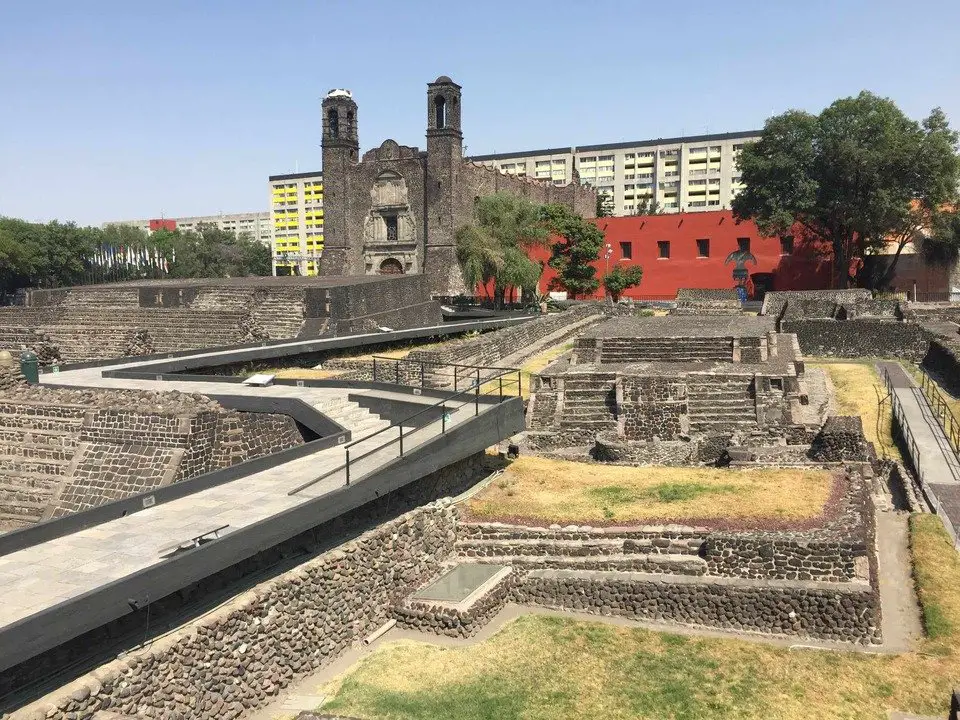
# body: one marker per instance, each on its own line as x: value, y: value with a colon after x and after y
x: 109, y: 256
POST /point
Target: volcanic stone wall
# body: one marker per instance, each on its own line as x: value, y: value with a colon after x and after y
x: 859, y: 338
x: 816, y: 609
x: 490, y: 348
x: 943, y: 360
x: 241, y: 655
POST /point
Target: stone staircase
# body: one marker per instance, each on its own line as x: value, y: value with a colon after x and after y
x: 360, y: 421
x: 635, y: 550
x: 667, y: 349
x: 37, y: 445
x: 716, y: 403
x: 16, y: 337
x: 280, y: 313
x: 589, y: 402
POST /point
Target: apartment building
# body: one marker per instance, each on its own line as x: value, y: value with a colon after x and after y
x: 687, y: 174
x: 296, y: 217
x: 256, y: 224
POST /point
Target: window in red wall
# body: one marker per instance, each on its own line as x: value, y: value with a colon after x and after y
x: 664, y: 247
x: 703, y: 247
x: 626, y: 250
x: 743, y: 244
x: 786, y: 245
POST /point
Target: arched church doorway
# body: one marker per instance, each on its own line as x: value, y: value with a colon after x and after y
x: 390, y: 266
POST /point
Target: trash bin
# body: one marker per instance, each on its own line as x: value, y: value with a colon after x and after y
x: 30, y: 367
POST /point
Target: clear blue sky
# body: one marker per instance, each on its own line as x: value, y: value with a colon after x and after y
x: 126, y: 109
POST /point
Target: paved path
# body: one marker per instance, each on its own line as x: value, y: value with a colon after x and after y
x: 934, y: 458
x: 43, y: 575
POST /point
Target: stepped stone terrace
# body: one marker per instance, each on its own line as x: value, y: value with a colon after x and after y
x: 675, y: 378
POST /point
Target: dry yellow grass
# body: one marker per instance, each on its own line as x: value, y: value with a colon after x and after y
x: 858, y: 390
x: 532, y: 366
x: 295, y: 373
x: 547, y: 490
x: 542, y: 668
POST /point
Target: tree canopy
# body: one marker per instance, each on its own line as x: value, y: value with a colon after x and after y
x: 851, y: 178
x: 942, y: 245
x: 495, y: 247
x: 57, y: 254
x: 621, y: 278
x: 579, y: 245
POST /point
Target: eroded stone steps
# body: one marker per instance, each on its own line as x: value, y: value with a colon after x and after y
x: 577, y: 547
x: 52, y: 439
x: 36, y: 451
x: 19, y: 464
x: 39, y: 422
x: 647, y: 563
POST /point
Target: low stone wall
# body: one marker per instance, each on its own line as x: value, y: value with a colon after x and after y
x: 859, y: 338
x: 943, y: 360
x: 774, y: 301
x: 490, y: 348
x: 840, y: 439
x: 810, y: 609
x: 445, y: 620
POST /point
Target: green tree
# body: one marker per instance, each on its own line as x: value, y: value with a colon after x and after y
x: 852, y: 177
x: 622, y: 278
x: 209, y: 251
x: 604, y: 205
x: 648, y: 207
x: 495, y: 247
x: 578, y: 246
x: 48, y: 255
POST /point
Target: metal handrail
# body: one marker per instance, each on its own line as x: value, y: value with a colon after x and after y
x: 914, y: 452
x: 940, y: 407
x: 442, y: 404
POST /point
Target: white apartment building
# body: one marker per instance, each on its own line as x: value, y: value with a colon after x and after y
x: 256, y: 224
x: 296, y: 214
x: 675, y: 174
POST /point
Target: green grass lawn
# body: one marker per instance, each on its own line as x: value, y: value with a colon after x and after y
x: 549, y: 668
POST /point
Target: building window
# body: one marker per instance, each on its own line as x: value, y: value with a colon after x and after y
x: 391, y: 221
x: 786, y: 245
x: 626, y: 250
x: 703, y: 248
x: 743, y: 244
x: 663, y: 246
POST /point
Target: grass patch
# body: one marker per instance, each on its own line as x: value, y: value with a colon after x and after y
x: 532, y: 366
x: 663, y: 493
x: 858, y: 389
x: 539, y: 489
x: 543, y: 668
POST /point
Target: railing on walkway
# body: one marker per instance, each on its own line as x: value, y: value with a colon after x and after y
x: 503, y: 384
x: 914, y: 452
x: 899, y: 420
x: 437, y: 375
x: 941, y: 408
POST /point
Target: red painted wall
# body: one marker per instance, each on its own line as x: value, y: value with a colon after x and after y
x: 801, y: 270
x: 170, y: 225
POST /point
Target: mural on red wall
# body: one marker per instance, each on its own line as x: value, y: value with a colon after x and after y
x: 703, y: 250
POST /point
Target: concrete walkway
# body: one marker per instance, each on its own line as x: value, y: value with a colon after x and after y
x: 934, y: 459
x: 43, y: 575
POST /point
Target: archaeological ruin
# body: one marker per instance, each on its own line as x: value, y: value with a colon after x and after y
x: 198, y: 531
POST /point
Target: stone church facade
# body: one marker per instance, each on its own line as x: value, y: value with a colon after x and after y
x: 397, y: 209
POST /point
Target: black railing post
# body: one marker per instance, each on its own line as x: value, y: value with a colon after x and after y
x: 348, y: 465
x: 476, y: 400
x: 422, y: 385
x: 401, y: 440
x: 454, y: 378
x: 443, y: 418
x: 501, y: 387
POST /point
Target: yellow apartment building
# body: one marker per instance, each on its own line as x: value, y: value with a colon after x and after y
x: 296, y: 215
